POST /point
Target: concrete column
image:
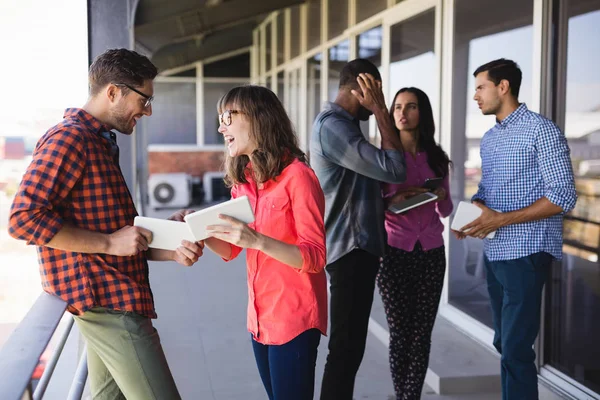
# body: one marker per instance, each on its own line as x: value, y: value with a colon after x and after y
x: 110, y: 26
x: 459, y: 123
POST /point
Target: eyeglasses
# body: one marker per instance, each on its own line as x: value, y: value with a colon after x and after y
x: 148, y: 99
x: 225, y: 118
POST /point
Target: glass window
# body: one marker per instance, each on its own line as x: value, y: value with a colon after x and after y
x: 259, y: 60
x: 280, y: 38
x: 173, y: 114
x: 314, y: 23
x: 484, y: 30
x: 314, y: 90
x: 268, y: 51
x: 573, y: 297
x: 295, y: 32
x: 369, y: 47
x: 338, y: 57
x: 281, y: 86
x: 292, y: 103
x: 413, y: 61
x: 368, y: 8
x: 338, y: 17
x: 269, y: 83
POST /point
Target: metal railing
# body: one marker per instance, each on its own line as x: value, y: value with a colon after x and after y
x: 21, y: 353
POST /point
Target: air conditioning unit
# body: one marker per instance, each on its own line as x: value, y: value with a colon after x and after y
x: 169, y: 190
x: 214, y: 187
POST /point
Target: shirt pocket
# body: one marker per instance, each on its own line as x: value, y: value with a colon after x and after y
x: 514, y: 157
x: 277, y: 217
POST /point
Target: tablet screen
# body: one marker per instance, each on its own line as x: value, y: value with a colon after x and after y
x: 412, y: 202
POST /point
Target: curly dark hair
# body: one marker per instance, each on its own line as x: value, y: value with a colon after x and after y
x: 120, y: 66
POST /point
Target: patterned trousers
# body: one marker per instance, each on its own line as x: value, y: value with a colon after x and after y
x: 410, y: 285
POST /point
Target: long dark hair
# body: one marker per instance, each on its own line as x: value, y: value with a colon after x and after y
x: 437, y: 158
x: 271, y: 130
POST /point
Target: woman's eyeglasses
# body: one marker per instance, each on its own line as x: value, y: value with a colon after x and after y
x: 225, y: 118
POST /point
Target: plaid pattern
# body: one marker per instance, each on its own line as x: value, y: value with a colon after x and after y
x: 350, y: 169
x: 524, y: 158
x: 74, y: 178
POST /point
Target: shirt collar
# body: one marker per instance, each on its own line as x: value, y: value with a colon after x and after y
x: 336, y: 108
x: 514, y: 116
x: 87, y: 119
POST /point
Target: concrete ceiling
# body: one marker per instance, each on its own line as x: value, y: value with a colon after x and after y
x: 179, y: 32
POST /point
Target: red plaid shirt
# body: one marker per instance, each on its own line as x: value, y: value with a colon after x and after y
x: 73, y: 178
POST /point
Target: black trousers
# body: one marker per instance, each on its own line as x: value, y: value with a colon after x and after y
x: 352, y: 283
x: 410, y: 284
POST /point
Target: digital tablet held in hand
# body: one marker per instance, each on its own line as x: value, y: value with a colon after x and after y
x: 465, y: 214
x: 433, y: 183
x: 237, y: 208
x: 412, y: 202
x: 166, y: 234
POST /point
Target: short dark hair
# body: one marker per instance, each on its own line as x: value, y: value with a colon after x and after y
x: 120, y: 66
x: 355, y: 67
x: 503, y: 69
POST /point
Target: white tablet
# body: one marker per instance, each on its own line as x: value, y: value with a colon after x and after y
x: 412, y: 202
x: 237, y: 208
x: 466, y: 213
x: 166, y: 234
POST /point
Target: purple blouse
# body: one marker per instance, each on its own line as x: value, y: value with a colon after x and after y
x: 422, y: 223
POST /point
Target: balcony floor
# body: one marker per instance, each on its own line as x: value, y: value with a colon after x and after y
x: 202, y: 323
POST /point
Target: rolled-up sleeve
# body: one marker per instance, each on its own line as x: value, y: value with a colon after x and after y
x: 308, y: 207
x: 555, y: 166
x: 343, y: 143
x: 57, y: 165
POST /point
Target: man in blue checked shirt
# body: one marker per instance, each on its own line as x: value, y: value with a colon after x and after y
x: 528, y: 178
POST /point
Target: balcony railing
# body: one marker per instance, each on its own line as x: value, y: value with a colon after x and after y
x: 21, y: 353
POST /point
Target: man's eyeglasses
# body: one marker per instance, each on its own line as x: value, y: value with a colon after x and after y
x: 148, y: 99
x: 225, y: 118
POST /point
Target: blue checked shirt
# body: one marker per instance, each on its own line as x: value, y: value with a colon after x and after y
x: 526, y: 157
x: 350, y: 169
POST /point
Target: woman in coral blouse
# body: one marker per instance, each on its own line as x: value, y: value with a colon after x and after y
x: 411, y: 276
x: 287, y: 305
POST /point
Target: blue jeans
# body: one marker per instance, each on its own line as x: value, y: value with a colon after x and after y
x: 515, y: 288
x: 288, y: 370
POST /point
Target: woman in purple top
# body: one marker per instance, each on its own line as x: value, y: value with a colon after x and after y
x: 411, y: 276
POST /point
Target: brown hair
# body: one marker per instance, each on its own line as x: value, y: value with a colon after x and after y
x: 120, y: 66
x: 271, y: 130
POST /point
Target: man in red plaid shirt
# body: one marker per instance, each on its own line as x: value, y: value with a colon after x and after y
x: 73, y: 203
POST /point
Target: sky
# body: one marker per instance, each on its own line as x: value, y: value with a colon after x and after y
x: 43, y: 69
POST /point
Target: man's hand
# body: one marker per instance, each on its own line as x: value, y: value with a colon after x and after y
x: 189, y: 252
x: 370, y: 95
x: 178, y: 215
x: 235, y: 232
x: 488, y: 221
x: 128, y: 241
x: 458, y: 234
